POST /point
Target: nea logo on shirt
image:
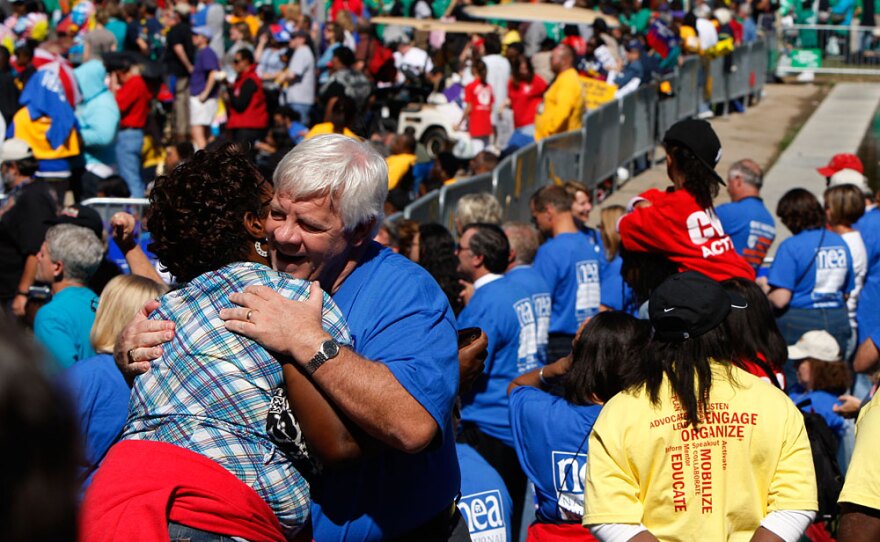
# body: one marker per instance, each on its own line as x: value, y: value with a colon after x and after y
x: 484, y: 515
x: 704, y: 227
x: 569, y: 473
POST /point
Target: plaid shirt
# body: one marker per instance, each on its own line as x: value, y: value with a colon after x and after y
x: 211, y: 390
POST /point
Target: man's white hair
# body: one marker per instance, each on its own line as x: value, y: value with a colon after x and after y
x: 353, y: 174
x: 78, y: 248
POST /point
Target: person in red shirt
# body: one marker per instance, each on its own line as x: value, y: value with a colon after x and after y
x: 133, y: 99
x: 525, y: 92
x: 248, y: 115
x: 478, y: 106
x: 680, y: 224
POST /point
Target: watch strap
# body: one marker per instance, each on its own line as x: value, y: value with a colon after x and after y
x: 316, y: 362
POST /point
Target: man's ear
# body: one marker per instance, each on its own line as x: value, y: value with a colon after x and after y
x: 58, y: 271
x: 362, y: 232
x: 254, y: 225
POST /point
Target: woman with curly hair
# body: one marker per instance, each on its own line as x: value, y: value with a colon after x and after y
x: 436, y: 253
x: 200, y: 451
x: 811, y: 276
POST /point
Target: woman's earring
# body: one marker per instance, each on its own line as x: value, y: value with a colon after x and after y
x: 258, y: 246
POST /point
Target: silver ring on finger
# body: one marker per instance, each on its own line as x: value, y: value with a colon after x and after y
x: 248, y: 317
x: 130, y: 355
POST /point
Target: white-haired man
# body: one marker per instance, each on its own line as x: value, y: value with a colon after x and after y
x: 397, y: 384
x: 69, y: 257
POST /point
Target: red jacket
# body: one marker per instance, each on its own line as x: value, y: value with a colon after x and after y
x: 676, y: 227
x: 254, y: 115
x: 133, y: 99
x: 142, y: 485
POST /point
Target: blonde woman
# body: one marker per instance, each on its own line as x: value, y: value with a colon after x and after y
x: 96, y: 386
x: 616, y: 293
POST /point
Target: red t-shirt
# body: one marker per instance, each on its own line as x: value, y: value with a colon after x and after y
x: 676, y: 227
x: 525, y: 99
x: 133, y: 100
x: 479, y: 96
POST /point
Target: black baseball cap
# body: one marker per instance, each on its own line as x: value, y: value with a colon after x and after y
x: 698, y: 136
x: 80, y: 215
x: 688, y: 305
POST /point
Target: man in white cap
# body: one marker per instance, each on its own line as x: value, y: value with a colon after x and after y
x: 28, y: 204
x: 203, y: 87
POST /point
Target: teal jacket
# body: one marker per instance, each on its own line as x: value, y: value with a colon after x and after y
x: 97, y: 115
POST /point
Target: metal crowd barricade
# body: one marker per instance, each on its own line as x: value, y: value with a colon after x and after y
x: 717, y: 81
x: 425, y: 209
x: 613, y: 136
x: 561, y: 158
x: 592, y: 142
x: 758, y: 63
x: 645, y: 120
x: 626, y: 151
x: 107, y: 207
x: 688, y: 88
x: 452, y: 193
x: 667, y: 108
x: 609, y: 143
x: 825, y: 48
x: 738, y: 78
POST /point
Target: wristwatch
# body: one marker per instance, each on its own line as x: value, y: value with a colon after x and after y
x: 329, y: 350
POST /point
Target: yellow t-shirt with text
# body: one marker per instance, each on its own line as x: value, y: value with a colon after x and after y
x: 750, y: 456
x: 862, y: 485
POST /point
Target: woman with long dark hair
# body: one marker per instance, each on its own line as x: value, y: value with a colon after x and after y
x: 550, y: 431
x: 811, y: 276
x: 759, y: 347
x: 695, y: 448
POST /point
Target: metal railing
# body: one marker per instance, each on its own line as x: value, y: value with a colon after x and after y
x: 823, y: 48
x: 613, y: 136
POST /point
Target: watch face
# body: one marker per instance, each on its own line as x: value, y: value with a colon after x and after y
x: 330, y: 349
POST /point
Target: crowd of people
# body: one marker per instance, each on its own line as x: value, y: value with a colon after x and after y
x: 262, y: 356
x: 107, y: 93
x: 299, y: 369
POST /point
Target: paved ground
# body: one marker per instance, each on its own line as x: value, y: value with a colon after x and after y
x: 837, y: 125
x: 755, y: 134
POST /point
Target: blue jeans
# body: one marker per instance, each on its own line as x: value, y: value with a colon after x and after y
x: 182, y: 533
x: 129, y: 143
x: 796, y: 322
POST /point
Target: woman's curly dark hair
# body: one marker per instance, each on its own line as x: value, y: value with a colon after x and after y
x: 197, y: 211
x: 437, y: 256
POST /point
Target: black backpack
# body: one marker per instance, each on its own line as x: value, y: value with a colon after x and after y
x: 829, y: 480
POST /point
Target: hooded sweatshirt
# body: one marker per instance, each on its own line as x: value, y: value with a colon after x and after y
x: 98, y: 117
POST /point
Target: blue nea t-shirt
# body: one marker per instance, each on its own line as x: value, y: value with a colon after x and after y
x: 817, y: 276
x: 100, y: 398
x: 526, y: 277
x: 616, y: 293
x: 551, y: 437
x: 750, y: 227
x: 398, y: 316
x: 867, y: 315
x: 485, y: 504
x: 571, y: 265
x: 505, y: 312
